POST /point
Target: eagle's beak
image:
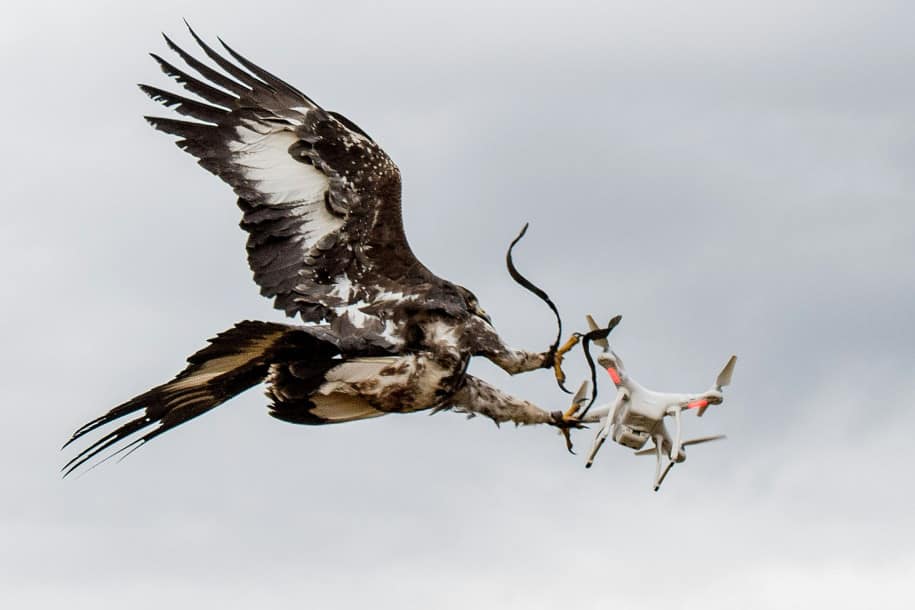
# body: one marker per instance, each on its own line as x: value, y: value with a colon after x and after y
x: 481, y: 313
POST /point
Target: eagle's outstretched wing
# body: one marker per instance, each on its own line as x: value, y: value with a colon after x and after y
x: 321, y: 200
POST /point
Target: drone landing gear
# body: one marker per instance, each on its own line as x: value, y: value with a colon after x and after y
x: 660, y: 474
x: 598, y: 441
x: 663, y: 462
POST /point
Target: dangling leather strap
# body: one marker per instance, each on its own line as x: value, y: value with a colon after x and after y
x: 526, y: 283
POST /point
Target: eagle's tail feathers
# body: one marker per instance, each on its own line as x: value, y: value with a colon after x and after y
x: 233, y: 362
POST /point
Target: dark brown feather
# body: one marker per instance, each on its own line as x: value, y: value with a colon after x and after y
x: 225, y: 64
x: 185, y: 106
x: 233, y: 362
x: 210, y: 94
x: 207, y: 72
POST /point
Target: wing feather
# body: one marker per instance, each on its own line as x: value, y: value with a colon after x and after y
x: 195, y: 86
x: 320, y: 199
x: 185, y: 106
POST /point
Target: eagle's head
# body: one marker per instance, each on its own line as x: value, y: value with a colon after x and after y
x: 473, y: 305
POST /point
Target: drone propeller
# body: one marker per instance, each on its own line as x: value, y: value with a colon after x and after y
x: 597, y: 335
x: 692, y: 441
x: 579, y: 399
x: 724, y: 378
x: 704, y: 439
x: 602, y: 341
x: 661, y: 473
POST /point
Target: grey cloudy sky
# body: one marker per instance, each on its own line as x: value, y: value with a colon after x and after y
x: 731, y: 177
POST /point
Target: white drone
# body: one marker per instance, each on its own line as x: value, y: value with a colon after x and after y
x: 637, y: 414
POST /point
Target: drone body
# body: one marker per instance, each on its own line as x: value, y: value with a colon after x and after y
x: 637, y: 414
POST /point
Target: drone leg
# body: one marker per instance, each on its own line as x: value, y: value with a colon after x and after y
x: 607, y: 427
x: 675, y: 450
x: 657, y: 468
x: 660, y: 479
x: 599, y: 440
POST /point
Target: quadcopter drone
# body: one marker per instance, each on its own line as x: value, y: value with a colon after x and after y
x: 637, y: 413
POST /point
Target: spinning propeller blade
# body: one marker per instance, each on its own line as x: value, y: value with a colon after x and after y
x: 724, y: 377
x: 661, y: 473
x: 703, y: 439
x: 580, y: 396
x: 692, y: 441
x: 592, y: 325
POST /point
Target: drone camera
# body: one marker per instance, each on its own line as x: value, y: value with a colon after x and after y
x: 626, y: 436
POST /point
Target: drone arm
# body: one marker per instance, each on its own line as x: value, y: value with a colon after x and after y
x: 608, y: 410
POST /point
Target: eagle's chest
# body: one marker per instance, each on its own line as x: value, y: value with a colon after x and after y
x: 426, y: 378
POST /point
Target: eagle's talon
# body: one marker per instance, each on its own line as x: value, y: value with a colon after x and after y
x: 558, y: 357
x: 565, y: 421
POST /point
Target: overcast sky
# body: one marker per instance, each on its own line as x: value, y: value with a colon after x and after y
x: 730, y: 177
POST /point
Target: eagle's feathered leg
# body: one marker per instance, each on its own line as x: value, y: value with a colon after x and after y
x: 515, y: 361
x: 481, y: 339
x: 477, y: 397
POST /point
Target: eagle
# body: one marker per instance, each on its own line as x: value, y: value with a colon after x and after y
x: 321, y: 204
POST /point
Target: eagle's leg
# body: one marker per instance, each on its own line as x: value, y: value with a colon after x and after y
x: 477, y: 397
x: 481, y: 339
x: 560, y: 355
x: 514, y: 361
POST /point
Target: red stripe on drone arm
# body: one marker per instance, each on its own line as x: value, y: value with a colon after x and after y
x: 615, y: 376
x: 697, y: 404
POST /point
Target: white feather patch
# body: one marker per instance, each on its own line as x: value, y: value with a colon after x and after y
x: 262, y: 155
x: 265, y: 159
x: 359, y: 369
x: 342, y: 408
x: 343, y: 288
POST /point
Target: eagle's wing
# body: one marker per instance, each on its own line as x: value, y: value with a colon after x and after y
x: 321, y: 200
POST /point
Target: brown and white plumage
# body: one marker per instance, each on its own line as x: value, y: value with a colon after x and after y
x: 320, y: 201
